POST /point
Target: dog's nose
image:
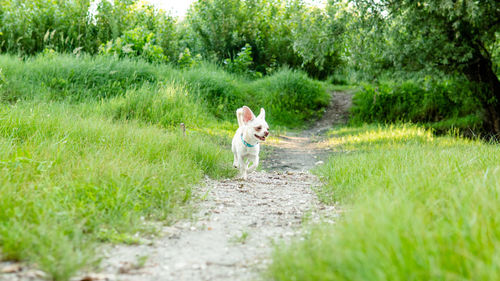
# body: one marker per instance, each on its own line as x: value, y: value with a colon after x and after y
x: 266, y: 133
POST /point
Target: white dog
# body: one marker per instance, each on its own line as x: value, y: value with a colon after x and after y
x: 245, y: 146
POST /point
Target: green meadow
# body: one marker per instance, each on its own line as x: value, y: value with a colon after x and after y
x: 91, y: 147
x: 93, y: 95
x: 416, y: 207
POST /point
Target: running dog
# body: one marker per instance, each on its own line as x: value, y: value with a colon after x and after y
x: 245, y: 146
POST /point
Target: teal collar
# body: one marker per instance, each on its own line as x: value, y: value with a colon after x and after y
x: 246, y: 143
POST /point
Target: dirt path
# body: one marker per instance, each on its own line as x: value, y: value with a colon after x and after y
x: 300, y: 151
x: 231, y: 234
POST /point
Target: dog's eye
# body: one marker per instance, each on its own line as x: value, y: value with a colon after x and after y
x: 258, y: 128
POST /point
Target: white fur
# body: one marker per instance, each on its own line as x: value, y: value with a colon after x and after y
x: 248, y: 128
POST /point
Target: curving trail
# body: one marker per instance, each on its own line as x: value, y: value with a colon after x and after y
x: 236, y: 222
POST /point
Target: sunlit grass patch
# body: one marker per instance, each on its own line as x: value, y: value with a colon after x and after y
x: 419, y: 208
x: 369, y: 136
x: 167, y: 105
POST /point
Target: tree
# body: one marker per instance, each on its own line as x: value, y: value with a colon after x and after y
x: 319, y: 38
x: 220, y: 26
x: 280, y: 32
x: 457, y: 36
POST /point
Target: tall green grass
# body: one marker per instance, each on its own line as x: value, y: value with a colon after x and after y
x: 91, y: 146
x: 417, y: 207
x: 56, y: 77
x: 290, y: 97
x: 164, y: 105
x: 68, y: 180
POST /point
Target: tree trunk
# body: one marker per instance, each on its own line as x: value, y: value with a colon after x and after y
x: 488, y: 92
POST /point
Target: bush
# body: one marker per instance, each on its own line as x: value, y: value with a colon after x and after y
x: 186, y: 61
x: 137, y: 42
x: 29, y: 27
x: 242, y: 64
x: 291, y: 97
x: 222, y: 92
x: 427, y: 102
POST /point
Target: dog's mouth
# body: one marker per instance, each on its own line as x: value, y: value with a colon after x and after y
x: 260, y: 138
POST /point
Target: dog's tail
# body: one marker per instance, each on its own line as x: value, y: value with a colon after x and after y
x: 239, y: 116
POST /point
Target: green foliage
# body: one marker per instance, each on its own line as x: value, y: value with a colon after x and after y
x: 243, y: 60
x: 2, y: 79
x: 280, y: 33
x: 70, y: 178
x: 64, y: 77
x: 418, y: 208
x: 167, y: 106
x: 427, y: 101
x: 441, y: 33
x: 222, y: 92
x: 457, y: 37
x: 291, y: 97
x: 319, y: 39
x: 135, y: 43
x: 27, y: 28
x: 30, y: 26
x: 242, y: 63
x: 186, y: 61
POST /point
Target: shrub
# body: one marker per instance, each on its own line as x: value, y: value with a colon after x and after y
x: 28, y: 27
x: 427, y: 101
x: 242, y: 63
x: 291, y: 97
x: 186, y: 61
x: 137, y: 42
x: 221, y: 91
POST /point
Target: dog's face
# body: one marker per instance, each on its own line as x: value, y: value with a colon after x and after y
x: 256, y: 126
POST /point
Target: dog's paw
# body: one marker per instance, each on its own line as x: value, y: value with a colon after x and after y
x: 241, y: 177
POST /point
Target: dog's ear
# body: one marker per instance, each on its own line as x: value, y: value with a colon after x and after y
x: 247, y: 114
x: 262, y: 114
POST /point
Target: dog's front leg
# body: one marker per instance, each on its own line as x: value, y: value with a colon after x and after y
x: 235, y: 162
x: 255, y: 163
x: 243, y: 167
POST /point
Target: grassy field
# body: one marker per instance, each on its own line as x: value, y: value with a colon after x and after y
x: 289, y: 96
x: 417, y: 207
x: 69, y: 180
x: 90, y: 147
